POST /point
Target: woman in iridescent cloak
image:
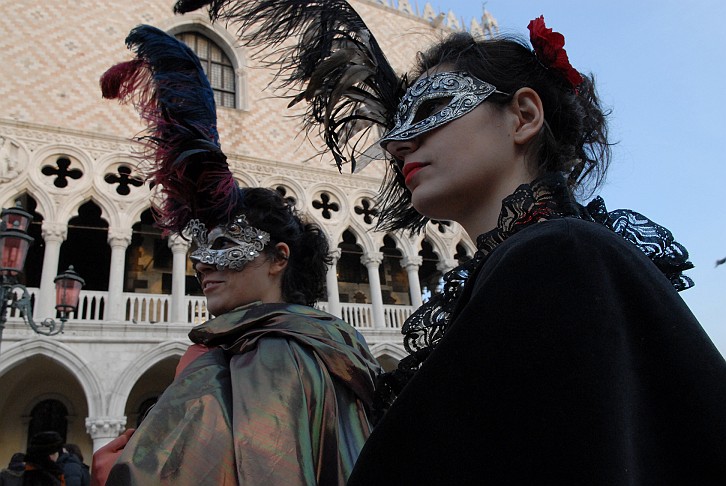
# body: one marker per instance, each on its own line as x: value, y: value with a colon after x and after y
x: 273, y: 391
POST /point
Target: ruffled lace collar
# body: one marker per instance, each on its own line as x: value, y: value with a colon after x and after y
x: 544, y: 199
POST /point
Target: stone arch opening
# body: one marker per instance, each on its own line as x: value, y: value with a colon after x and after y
x: 352, y: 274
x: 88, y: 231
x: 394, y: 279
x: 428, y: 273
x: 40, y: 393
x: 148, y: 388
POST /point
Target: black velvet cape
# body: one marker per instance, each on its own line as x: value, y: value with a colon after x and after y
x: 571, y: 360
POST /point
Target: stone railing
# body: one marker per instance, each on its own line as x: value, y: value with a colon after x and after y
x: 155, y: 308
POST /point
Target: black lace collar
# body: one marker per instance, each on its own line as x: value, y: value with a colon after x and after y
x: 544, y: 199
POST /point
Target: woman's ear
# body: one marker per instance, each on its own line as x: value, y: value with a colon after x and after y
x: 527, y: 107
x: 279, y: 262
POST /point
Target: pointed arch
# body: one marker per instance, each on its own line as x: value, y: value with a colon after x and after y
x: 66, y: 357
x: 393, y: 350
x: 132, y: 373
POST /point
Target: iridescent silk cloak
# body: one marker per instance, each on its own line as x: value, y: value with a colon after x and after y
x: 280, y: 399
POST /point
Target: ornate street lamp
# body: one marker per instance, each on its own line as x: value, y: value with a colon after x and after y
x: 14, y: 245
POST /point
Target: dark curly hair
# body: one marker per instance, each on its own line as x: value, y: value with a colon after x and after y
x: 573, y: 139
x: 304, y: 279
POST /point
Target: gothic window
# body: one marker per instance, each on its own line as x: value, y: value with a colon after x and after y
x: 352, y: 274
x: 148, y: 259
x: 88, y: 230
x: 326, y: 205
x: 216, y: 65
x: 61, y: 172
x: 366, y: 209
x: 144, y: 408
x: 394, y: 279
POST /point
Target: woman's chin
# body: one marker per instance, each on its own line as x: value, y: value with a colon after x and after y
x: 430, y: 209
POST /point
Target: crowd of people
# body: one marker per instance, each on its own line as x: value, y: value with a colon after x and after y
x: 560, y: 354
x: 48, y: 461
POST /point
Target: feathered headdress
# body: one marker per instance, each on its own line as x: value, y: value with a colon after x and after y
x: 168, y: 86
x: 336, y: 65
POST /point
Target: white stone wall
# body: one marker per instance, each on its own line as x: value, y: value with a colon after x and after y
x: 53, y: 54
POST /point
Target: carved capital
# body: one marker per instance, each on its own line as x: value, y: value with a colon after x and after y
x: 177, y: 244
x: 414, y: 262
x: 372, y: 259
x: 119, y: 237
x: 54, y: 231
x: 105, y: 427
x: 335, y: 255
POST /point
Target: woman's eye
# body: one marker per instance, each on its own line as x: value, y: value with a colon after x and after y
x: 431, y: 107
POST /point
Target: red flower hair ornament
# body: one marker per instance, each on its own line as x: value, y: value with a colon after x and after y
x: 549, y: 49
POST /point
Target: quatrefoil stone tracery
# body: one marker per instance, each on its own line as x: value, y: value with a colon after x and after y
x: 326, y: 205
x: 61, y: 172
x: 124, y: 179
x: 367, y: 209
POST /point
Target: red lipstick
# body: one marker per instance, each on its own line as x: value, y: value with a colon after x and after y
x: 410, y: 169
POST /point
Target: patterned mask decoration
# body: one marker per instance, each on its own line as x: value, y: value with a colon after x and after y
x: 436, y: 100
x: 229, y: 246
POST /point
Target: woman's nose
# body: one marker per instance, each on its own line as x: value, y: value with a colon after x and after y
x: 201, y: 268
x: 400, y: 148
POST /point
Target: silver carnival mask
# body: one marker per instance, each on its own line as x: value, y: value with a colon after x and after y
x: 229, y: 246
x: 434, y: 101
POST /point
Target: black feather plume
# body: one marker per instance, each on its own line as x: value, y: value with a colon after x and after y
x: 336, y: 65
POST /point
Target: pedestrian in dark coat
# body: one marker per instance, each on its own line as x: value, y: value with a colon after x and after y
x: 13, y: 474
x: 75, y: 471
x: 40, y: 460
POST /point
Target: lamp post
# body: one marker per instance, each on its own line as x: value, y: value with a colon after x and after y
x: 14, y: 245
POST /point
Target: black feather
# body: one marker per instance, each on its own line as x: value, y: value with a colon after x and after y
x: 336, y: 65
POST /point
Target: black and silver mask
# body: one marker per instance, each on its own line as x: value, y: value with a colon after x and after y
x: 435, y: 100
x: 229, y: 246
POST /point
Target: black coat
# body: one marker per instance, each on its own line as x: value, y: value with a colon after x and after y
x: 76, y: 473
x: 38, y: 476
x: 10, y: 477
x: 572, y: 361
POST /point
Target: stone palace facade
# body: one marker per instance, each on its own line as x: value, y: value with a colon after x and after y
x: 67, y: 155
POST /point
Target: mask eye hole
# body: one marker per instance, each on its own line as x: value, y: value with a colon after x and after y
x: 222, y: 244
x: 431, y: 107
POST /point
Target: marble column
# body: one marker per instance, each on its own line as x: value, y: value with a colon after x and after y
x: 54, y: 234
x: 104, y: 429
x: 372, y: 261
x: 118, y: 239
x: 331, y: 284
x: 412, y: 264
x: 179, y: 248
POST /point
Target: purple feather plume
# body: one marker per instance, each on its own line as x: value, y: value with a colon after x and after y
x: 168, y: 86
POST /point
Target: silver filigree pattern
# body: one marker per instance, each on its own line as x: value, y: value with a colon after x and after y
x: 463, y: 91
x: 237, y: 243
